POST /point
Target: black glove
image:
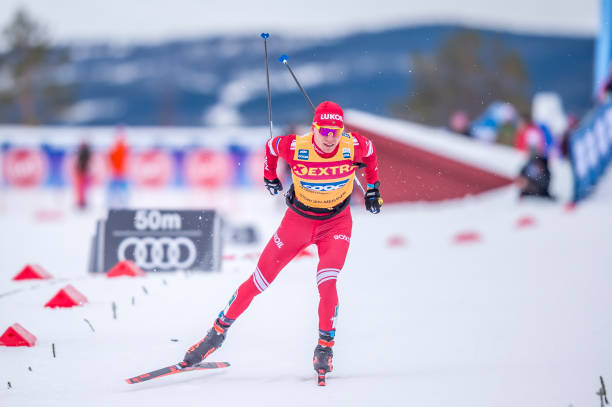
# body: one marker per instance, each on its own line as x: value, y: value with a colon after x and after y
x: 273, y: 185
x: 373, y: 201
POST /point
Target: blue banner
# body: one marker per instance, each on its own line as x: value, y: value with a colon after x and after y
x: 591, y: 150
x: 603, y: 49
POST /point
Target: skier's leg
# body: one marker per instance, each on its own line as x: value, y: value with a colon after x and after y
x: 293, y: 235
x: 79, y: 182
x: 333, y: 246
x: 333, y: 241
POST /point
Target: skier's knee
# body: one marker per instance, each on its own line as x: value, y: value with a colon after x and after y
x: 327, y: 291
x: 259, y: 281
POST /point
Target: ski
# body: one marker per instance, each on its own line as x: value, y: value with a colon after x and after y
x: 321, y: 377
x: 178, y: 368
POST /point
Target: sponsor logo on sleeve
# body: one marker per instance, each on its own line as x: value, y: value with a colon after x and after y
x: 303, y: 154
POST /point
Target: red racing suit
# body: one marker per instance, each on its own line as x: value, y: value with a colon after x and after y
x: 311, y: 222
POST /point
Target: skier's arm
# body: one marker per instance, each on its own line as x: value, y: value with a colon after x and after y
x: 366, y: 153
x: 277, y: 147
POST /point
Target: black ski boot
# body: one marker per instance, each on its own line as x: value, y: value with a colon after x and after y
x: 322, y: 358
x: 323, y: 355
x: 211, y: 342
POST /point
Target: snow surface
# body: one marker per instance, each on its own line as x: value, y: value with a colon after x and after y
x: 520, y: 318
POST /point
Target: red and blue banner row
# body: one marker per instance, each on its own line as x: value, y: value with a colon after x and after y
x: 50, y: 166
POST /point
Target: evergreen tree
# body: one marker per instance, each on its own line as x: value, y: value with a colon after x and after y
x: 31, y: 94
x: 466, y: 73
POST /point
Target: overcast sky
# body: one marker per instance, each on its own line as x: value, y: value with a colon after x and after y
x: 158, y: 20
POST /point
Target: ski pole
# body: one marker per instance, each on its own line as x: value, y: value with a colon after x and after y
x: 284, y: 59
x: 265, y: 37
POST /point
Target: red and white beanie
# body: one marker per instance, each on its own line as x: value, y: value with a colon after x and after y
x: 329, y: 114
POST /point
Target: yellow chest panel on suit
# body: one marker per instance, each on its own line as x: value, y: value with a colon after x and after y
x: 323, y: 182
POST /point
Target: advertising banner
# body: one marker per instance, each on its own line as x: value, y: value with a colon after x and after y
x: 24, y: 167
x: 159, y: 240
x: 591, y: 150
x: 603, y: 49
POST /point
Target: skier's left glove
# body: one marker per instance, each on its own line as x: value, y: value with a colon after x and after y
x: 373, y: 201
x: 273, y: 185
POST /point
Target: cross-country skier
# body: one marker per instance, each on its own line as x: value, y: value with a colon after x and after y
x: 323, y: 164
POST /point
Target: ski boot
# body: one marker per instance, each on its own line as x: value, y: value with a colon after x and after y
x: 211, y: 342
x: 322, y: 359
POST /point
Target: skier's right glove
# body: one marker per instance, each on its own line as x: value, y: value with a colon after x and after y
x: 273, y: 185
x: 373, y: 201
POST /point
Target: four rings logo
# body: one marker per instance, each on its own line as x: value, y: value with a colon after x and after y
x: 165, y: 253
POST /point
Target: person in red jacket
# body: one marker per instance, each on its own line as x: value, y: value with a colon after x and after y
x: 530, y: 136
x: 323, y: 164
x: 118, y: 157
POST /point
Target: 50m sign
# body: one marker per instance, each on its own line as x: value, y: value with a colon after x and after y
x: 155, y: 220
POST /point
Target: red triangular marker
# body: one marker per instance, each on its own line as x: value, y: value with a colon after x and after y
x: 66, y: 297
x: 126, y: 268
x: 466, y: 237
x: 32, y: 272
x: 396, y: 241
x: 525, y: 221
x: 16, y: 335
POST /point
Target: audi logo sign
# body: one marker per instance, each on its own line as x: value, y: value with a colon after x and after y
x: 159, y: 240
x: 163, y: 253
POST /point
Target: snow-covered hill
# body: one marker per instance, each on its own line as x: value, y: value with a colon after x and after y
x: 220, y: 80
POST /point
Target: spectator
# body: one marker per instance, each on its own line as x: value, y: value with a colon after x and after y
x: 530, y: 136
x: 460, y: 123
x: 81, y: 179
x: 605, y: 93
x: 506, y: 133
x: 534, y: 178
x: 118, y: 186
